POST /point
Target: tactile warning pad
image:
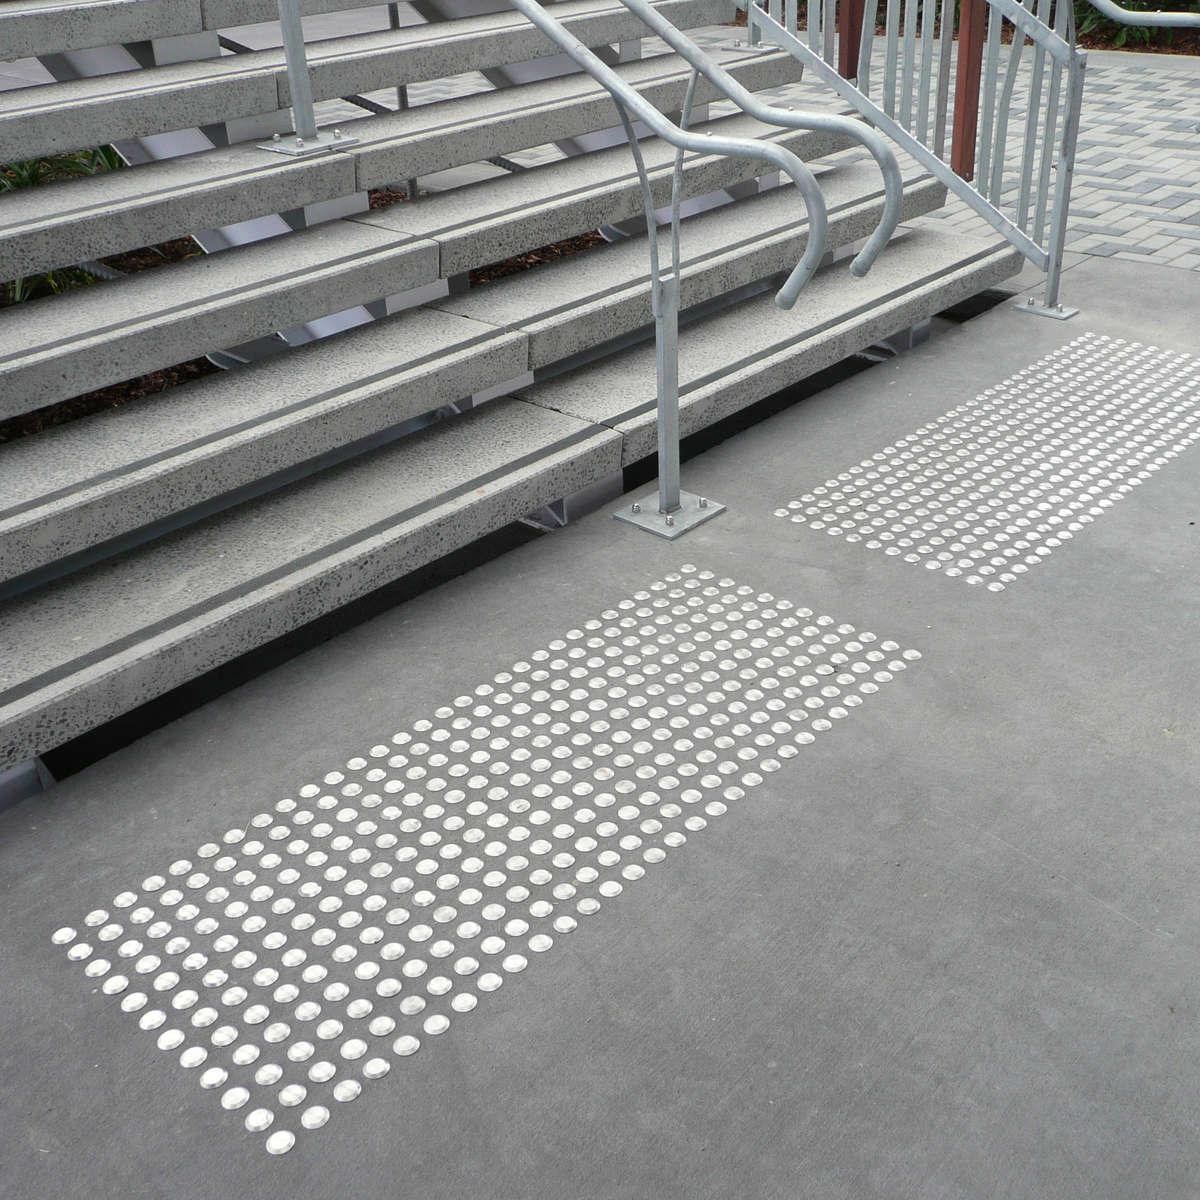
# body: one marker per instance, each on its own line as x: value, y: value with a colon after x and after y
x: 291, y: 961
x: 995, y: 486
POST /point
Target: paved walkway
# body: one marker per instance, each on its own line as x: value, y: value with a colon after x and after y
x: 769, y: 863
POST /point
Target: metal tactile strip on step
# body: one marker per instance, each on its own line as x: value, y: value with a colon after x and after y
x: 300, y: 957
x: 995, y: 486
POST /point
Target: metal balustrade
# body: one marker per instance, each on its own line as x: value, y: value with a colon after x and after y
x: 1015, y: 173
x: 902, y: 83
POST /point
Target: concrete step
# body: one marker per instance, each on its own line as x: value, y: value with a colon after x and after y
x: 743, y: 354
x: 58, y: 347
x: 73, y: 488
x: 581, y: 302
x: 92, y: 217
x: 489, y: 221
x: 32, y: 27
x: 81, y: 113
x: 84, y: 483
x: 63, y: 345
x: 80, y: 651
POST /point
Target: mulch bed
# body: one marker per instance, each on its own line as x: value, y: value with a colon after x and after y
x: 534, y: 258
x: 113, y: 396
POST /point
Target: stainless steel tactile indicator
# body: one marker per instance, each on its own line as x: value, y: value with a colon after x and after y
x: 995, y: 486
x: 294, y: 960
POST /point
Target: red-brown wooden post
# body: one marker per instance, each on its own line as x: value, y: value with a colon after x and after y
x: 850, y: 35
x: 972, y: 19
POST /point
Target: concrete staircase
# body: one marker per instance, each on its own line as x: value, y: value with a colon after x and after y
x: 141, y: 548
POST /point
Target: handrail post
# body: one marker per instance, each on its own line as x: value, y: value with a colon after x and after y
x: 851, y: 14
x: 666, y: 339
x: 304, y: 116
x: 307, y: 139
x: 971, y: 29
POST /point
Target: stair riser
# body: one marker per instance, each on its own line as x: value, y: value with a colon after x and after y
x: 740, y: 388
x: 150, y: 342
x: 124, y: 680
x: 473, y: 140
x: 229, y: 89
x: 89, y: 517
x: 584, y: 326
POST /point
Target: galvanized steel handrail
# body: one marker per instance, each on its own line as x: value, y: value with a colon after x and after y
x: 1162, y: 19
x: 772, y: 115
x: 632, y: 102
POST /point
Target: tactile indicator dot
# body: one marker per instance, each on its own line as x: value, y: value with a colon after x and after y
x: 311, y: 949
x: 994, y: 486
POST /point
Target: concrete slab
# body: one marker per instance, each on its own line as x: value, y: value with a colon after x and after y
x: 947, y: 949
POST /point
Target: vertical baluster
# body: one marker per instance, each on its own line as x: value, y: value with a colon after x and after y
x: 891, y: 49
x: 775, y: 10
x: 828, y: 29
x: 1032, y: 122
x: 991, y: 60
x: 945, y: 48
x: 925, y: 79
x: 867, y: 45
x: 1003, y: 104
x: 1066, y: 166
x: 814, y: 25
x: 790, y: 18
x: 1050, y: 132
x: 908, y: 84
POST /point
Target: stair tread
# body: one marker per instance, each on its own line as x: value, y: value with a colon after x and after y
x: 619, y: 391
x: 459, y: 219
x: 137, y: 206
x: 74, y: 114
x: 170, y: 588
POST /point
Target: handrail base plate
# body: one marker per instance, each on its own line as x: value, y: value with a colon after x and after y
x: 693, y: 510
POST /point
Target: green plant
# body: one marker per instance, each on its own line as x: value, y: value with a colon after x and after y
x: 34, y: 172
x: 1089, y: 20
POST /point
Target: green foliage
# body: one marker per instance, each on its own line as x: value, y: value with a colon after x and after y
x: 1089, y: 20
x: 32, y: 173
